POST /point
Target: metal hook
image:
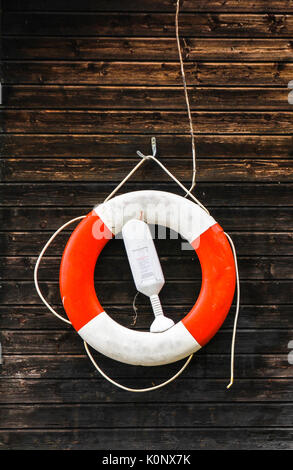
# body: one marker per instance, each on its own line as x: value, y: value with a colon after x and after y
x: 154, y: 149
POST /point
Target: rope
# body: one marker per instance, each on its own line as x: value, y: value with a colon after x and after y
x: 137, y: 390
x: 193, y: 182
x: 236, y: 311
x: 144, y: 158
x: 38, y: 264
x: 187, y: 193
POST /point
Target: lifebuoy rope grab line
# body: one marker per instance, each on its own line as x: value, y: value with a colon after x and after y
x: 187, y: 193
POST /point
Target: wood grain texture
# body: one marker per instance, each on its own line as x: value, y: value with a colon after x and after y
x: 168, y: 415
x: 84, y: 169
x: 146, y: 24
x: 85, y: 85
x: 88, y: 194
x: 147, y: 73
x: 141, y: 98
x: 77, y: 366
x: 75, y: 391
x: 169, y: 122
x: 125, y: 146
x: 166, y: 438
x: 149, y: 5
x: 109, y: 48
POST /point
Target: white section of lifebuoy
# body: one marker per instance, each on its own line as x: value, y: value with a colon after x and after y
x: 138, y: 347
x: 156, y: 207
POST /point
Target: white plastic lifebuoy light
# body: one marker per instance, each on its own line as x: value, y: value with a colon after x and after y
x: 136, y: 347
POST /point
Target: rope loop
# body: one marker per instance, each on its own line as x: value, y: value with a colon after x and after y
x: 188, y: 192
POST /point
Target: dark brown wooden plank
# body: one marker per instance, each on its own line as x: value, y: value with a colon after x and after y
x: 122, y: 292
x: 62, y: 48
x: 145, y: 415
x: 256, y: 243
x: 258, y: 317
x: 141, y: 98
x: 169, y: 122
x: 147, y: 24
x: 184, y: 267
x: 205, y: 365
x: 113, y: 145
x: 114, y: 170
x: 19, y: 391
x: 148, y: 73
x: 278, y: 219
x: 88, y: 194
x: 139, y: 439
x: 148, y: 5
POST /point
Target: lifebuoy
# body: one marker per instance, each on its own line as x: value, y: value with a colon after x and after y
x: 87, y: 315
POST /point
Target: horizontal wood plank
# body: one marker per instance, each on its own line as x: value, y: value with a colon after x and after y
x: 169, y: 122
x: 148, y: 73
x: 216, y: 366
x: 88, y: 194
x: 114, y: 170
x: 141, y: 98
x: 139, y: 439
x: 148, y: 5
x: 20, y: 391
x: 145, y: 415
x: 147, y: 24
x: 115, y: 145
x: 62, y: 48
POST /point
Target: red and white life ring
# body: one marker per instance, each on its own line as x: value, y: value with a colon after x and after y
x: 87, y: 315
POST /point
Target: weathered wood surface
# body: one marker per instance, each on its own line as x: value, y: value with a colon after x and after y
x: 169, y: 122
x: 97, y: 145
x: 146, y: 24
x: 75, y: 391
x: 85, y: 86
x: 114, y: 170
x: 87, y: 195
x: 147, y: 73
x: 149, y: 5
x: 103, y: 97
x: 147, y: 49
x: 76, y: 366
x: 163, y: 438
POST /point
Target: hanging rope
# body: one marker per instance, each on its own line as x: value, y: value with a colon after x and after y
x: 193, y: 181
x: 188, y: 192
x: 144, y: 158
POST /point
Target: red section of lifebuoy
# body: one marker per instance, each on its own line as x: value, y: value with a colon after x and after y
x: 78, y: 267
x: 204, y: 319
x: 217, y: 287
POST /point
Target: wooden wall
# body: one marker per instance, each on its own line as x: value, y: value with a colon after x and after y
x: 86, y: 83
